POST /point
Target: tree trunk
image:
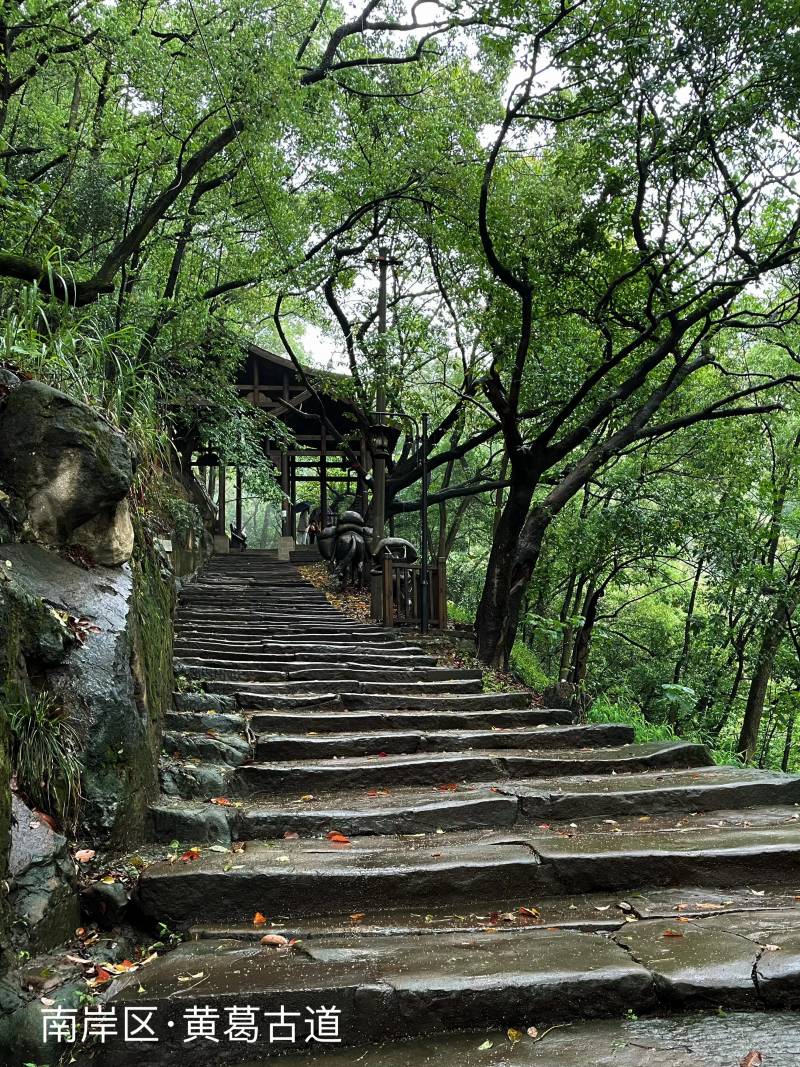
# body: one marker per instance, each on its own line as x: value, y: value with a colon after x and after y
x: 787, y: 745
x: 583, y: 642
x: 683, y: 658
x: 754, y: 709
x: 496, y: 619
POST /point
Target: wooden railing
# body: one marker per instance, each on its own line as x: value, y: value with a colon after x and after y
x: 402, y: 593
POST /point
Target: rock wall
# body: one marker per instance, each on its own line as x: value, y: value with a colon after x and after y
x: 86, y: 601
x: 67, y: 473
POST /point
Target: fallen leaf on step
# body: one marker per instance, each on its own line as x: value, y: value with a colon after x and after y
x: 337, y: 838
x: 190, y: 977
x: 109, y: 880
x: 259, y: 919
x: 544, y: 825
x: 672, y: 933
x: 708, y: 906
x: 189, y: 855
x: 752, y: 1059
x: 602, y: 907
x: 83, y: 855
x: 772, y: 948
x: 79, y: 961
x: 448, y: 787
x: 238, y: 846
x: 358, y: 916
x: 222, y: 801
x: 529, y: 913
x: 486, y: 1046
x: 514, y: 1035
x: 274, y: 940
x: 290, y: 835
x: 758, y: 893
x: 217, y: 848
x: 383, y: 755
x: 307, y: 797
x: 644, y: 818
x: 532, y: 1032
x: 378, y: 793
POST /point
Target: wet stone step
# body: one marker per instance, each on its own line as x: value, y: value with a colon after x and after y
x: 403, y: 692
x: 219, y: 748
x: 364, y: 772
x: 334, y: 722
x: 328, y: 672
x: 696, y: 789
x: 285, y: 747
x: 207, y: 719
x: 412, y: 986
x: 455, y: 869
x: 351, y: 815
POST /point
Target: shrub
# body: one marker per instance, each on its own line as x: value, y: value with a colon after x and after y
x: 44, y: 755
x: 526, y: 666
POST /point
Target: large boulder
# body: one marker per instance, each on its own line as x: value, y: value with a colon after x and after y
x: 70, y: 469
x: 43, y: 891
x: 113, y: 682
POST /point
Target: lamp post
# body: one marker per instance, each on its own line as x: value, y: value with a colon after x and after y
x: 380, y: 452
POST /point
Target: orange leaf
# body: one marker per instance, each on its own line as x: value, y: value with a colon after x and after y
x: 102, y: 974
x: 83, y: 855
x: 357, y: 916
x: 48, y: 820
x: 449, y: 787
x: 752, y: 1059
x: 672, y: 933
x: 259, y: 919
x: 190, y: 854
x: 338, y: 838
x: 222, y: 801
x: 530, y: 913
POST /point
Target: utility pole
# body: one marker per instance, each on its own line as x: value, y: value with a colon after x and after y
x: 379, y: 453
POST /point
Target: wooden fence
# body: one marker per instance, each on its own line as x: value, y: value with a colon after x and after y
x: 402, y: 593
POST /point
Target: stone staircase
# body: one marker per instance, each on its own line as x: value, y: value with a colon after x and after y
x: 501, y: 865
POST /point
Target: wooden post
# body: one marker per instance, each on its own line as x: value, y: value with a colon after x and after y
x: 293, y: 495
x: 388, y: 606
x: 221, y: 501
x: 361, y: 482
x: 323, y: 475
x: 285, y: 505
x: 441, y: 592
x: 238, y: 499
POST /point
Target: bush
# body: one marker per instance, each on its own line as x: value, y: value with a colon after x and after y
x: 526, y: 666
x: 606, y: 710
x: 44, y: 756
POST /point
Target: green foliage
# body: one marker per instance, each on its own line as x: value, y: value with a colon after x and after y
x: 527, y: 668
x: 44, y: 755
x: 605, y: 710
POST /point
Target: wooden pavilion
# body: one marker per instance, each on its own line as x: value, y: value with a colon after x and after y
x: 323, y: 447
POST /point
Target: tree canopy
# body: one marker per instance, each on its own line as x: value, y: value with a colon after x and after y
x: 591, y: 212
